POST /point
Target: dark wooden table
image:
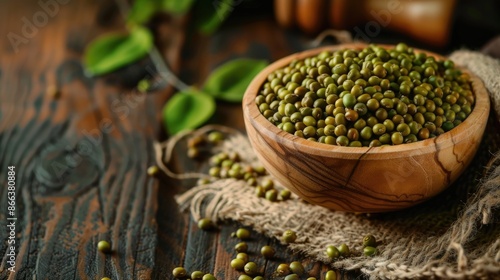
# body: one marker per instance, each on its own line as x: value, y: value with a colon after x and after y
x: 81, y: 158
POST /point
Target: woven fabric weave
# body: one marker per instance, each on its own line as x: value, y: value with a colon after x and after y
x: 455, y: 235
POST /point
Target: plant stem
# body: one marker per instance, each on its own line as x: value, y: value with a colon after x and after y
x: 164, y: 71
x: 160, y: 64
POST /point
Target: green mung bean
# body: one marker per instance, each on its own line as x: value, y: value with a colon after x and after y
x: 333, y: 97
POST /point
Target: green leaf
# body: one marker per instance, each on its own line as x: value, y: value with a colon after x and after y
x: 178, y: 6
x: 143, y: 10
x: 229, y: 81
x: 208, y: 15
x: 187, y: 110
x: 112, y: 51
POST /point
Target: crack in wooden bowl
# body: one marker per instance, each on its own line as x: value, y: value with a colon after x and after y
x: 364, y: 179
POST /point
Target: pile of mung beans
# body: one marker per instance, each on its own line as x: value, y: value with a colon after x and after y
x: 368, y: 97
x: 229, y: 165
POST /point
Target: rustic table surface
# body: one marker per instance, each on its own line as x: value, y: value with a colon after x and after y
x: 81, y: 157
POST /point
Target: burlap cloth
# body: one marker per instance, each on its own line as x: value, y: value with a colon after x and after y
x: 455, y: 235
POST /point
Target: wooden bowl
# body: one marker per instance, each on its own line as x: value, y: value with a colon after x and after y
x: 364, y: 179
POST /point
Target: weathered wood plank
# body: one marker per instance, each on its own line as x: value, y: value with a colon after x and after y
x: 97, y: 132
x: 82, y: 158
x: 197, y: 64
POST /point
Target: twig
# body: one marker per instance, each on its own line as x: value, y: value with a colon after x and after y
x: 164, y: 71
x: 342, y: 37
x: 160, y: 64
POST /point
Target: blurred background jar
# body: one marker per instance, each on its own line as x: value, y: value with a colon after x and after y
x: 430, y: 22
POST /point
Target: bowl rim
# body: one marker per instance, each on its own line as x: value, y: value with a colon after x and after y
x: 253, y: 116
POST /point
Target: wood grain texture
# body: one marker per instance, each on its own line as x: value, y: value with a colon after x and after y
x: 81, y: 159
x: 366, y: 179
